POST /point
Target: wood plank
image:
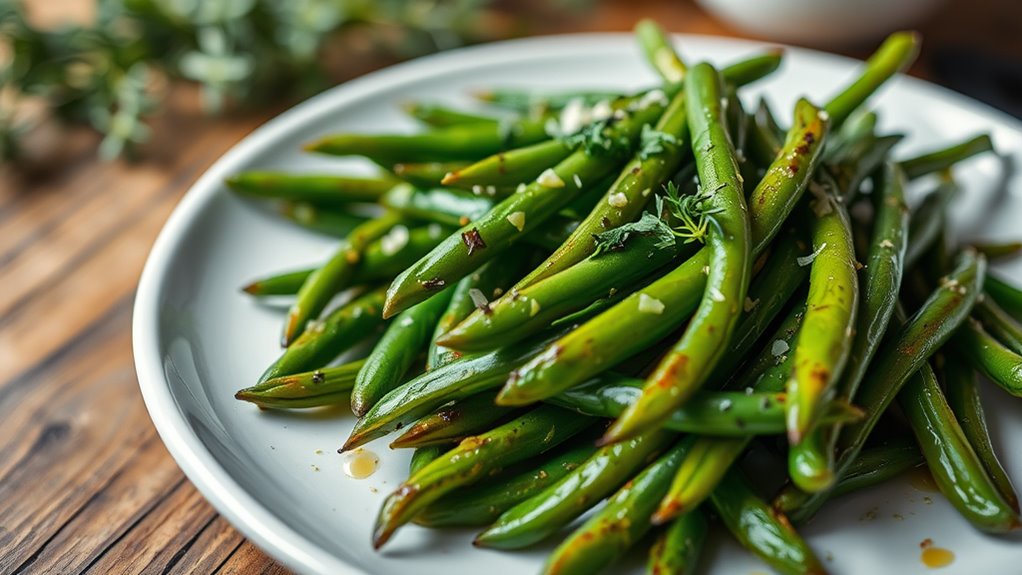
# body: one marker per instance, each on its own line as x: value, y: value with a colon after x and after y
x: 250, y: 560
x: 157, y: 542
x: 82, y: 421
x: 88, y: 286
x: 213, y: 547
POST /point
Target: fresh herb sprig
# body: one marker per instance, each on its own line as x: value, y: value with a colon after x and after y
x: 692, y: 213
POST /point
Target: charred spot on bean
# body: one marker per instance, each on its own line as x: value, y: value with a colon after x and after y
x: 318, y: 376
x: 473, y: 241
x: 433, y: 283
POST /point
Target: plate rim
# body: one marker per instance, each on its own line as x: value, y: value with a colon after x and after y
x: 245, y: 513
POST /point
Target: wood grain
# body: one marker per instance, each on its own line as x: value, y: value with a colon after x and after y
x: 86, y: 485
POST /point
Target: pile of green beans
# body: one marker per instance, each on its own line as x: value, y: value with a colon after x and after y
x: 588, y: 295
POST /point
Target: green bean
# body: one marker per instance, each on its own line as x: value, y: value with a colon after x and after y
x: 903, y: 351
x: 317, y: 188
x: 475, y: 458
x: 439, y: 116
x: 955, y: 467
x: 631, y: 325
x: 440, y: 205
x: 769, y: 369
x: 1005, y: 294
x: 608, y: 534
x: 659, y: 51
x: 331, y: 222
x: 498, y: 230
x: 825, y: 338
x: 717, y: 413
x: 511, y: 168
x: 464, y: 142
x: 425, y: 175
x: 335, y: 275
x: 525, y: 311
x: 529, y: 101
x: 659, y: 156
x: 692, y: 359
x: 423, y: 456
x: 881, y: 276
x: 762, y: 530
x: 863, y: 158
x: 490, y: 281
x: 928, y: 221
x: 482, y: 504
x: 381, y: 261
x: 330, y: 337
x: 406, y: 337
x: 676, y: 551
x: 940, y: 160
x: 765, y: 136
x: 326, y: 386
x: 999, y: 323
x: 453, y: 381
x: 875, y: 465
x: 962, y: 391
x: 453, y: 422
x: 700, y: 473
x: 781, y: 278
x: 859, y: 129
x: 997, y: 361
x: 998, y: 250
x: 897, y: 52
x: 544, y: 514
x: 286, y: 283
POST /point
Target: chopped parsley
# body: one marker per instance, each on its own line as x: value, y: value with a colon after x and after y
x: 653, y: 142
x: 648, y: 225
x: 597, y: 139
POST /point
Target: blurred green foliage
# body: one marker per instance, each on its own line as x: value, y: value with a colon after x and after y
x: 108, y: 73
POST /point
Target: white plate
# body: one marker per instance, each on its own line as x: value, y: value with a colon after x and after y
x: 197, y: 339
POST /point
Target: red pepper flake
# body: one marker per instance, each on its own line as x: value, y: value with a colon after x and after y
x: 433, y: 284
x: 473, y: 240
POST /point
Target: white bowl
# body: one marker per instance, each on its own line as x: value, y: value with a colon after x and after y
x: 820, y: 22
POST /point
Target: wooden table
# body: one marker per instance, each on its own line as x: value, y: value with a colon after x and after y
x: 85, y: 483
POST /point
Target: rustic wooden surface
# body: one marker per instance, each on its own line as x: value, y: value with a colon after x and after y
x: 85, y: 483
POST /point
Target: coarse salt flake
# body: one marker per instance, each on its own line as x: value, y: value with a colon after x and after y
x: 887, y: 244
x: 617, y: 200
x: 550, y: 179
x: 715, y: 295
x: 779, y: 348
x: 517, y: 220
x: 649, y: 304
x: 534, y: 308
x: 478, y: 298
x: 803, y: 261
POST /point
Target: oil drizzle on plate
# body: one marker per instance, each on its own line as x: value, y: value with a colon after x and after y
x: 935, y: 557
x: 360, y: 463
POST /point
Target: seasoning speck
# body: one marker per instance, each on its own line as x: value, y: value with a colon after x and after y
x: 473, y: 241
x: 617, y: 200
x: 649, y: 304
x: 517, y: 219
x: 550, y: 179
